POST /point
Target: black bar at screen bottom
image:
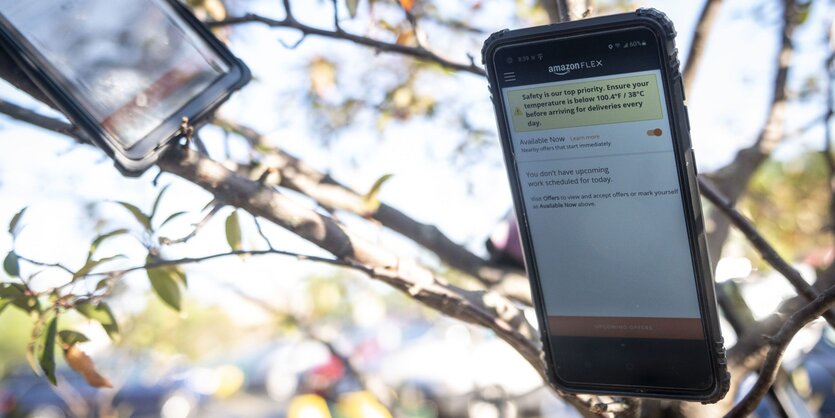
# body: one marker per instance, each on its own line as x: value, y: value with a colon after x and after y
x: 626, y: 327
x: 632, y: 362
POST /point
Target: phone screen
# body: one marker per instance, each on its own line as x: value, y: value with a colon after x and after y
x: 596, y: 168
x: 127, y: 62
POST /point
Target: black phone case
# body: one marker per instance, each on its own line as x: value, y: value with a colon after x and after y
x: 131, y: 167
x: 659, y: 23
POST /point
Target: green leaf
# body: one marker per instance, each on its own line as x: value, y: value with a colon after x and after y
x: 164, y: 281
x: 91, y: 264
x: 803, y: 14
x: 178, y: 273
x: 140, y: 216
x: 101, y: 238
x: 158, y: 199
x: 233, y: 231
x: 352, y: 7
x: 100, y: 313
x: 11, y: 264
x: 70, y: 337
x: 172, y: 217
x: 46, y: 359
x: 371, y: 201
x: 15, y: 294
x: 13, y: 223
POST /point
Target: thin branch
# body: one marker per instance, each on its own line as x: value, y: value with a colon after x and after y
x: 778, y: 343
x: 197, y: 227
x: 261, y: 233
x: 697, y: 46
x: 47, y: 264
x: 337, y: 27
x: 290, y: 22
x: 769, y: 254
x: 52, y: 124
x: 12, y: 73
x: 829, y: 90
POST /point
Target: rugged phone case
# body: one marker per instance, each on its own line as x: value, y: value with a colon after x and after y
x: 128, y: 166
x: 663, y: 27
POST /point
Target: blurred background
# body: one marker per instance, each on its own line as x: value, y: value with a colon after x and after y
x: 270, y: 336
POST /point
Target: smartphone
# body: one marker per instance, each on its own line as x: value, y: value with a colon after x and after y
x: 125, y: 71
x: 596, y: 142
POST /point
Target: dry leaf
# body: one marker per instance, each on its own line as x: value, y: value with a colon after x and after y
x: 215, y: 8
x: 407, y: 4
x: 406, y: 38
x: 83, y: 365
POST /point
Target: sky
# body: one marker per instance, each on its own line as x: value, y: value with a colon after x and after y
x: 64, y: 184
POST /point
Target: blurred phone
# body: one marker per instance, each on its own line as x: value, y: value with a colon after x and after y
x: 125, y: 71
x: 597, y: 148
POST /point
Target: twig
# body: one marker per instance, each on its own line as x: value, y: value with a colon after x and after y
x: 827, y: 131
x: 288, y: 11
x: 194, y: 260
x: 197, y: 227
x: 337, y: 27
x: 762, y: 246
x: 290, y: 22
x: 778, y: 343
x: 697, y: 45
x: 46, y: 264
x: 49, y: 123
x: 261, y: 233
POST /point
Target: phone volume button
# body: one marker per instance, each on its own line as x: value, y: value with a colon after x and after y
x: 693, y: 161
x: 687, y: 117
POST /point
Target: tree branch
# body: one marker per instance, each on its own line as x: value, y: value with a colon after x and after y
x: 732, y: 179
x: 12, y: 73
x: 762, y: 246
x: 829, y: 90
x: 290, y: 22
x: 296, y: 175
x: 55, y: 125
x: 565, y: 10
x: 779, y: 342
x: 697, y: 46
